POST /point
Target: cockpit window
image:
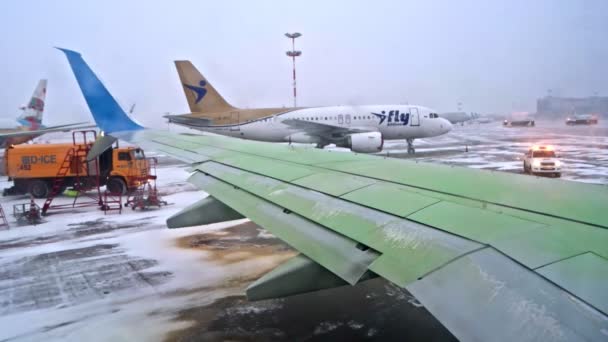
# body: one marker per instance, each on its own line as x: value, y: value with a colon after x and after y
x: 433, y: 115
x: 139, y: 154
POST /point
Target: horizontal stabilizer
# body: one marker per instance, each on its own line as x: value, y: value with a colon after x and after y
x: 187, y: 119
x: 298, y: 275
x: 206, y: 211
x: 100, y: 146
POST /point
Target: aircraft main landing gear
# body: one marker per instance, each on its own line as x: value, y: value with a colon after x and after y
x: 410, y: 146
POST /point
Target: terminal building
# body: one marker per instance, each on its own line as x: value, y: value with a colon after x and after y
x: 551, y: 106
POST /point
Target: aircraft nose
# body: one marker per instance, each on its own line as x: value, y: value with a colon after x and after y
x: 444, y: 125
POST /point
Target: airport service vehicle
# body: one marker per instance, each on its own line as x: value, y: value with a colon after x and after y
x: 582, y: 119
x: 362, y: 129
x: 542, y: 160
x: 35, y: 168
x: 519, y: 119
x: 519, y: 123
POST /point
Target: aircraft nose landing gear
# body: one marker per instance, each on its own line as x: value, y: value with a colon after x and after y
x: 410, y: 146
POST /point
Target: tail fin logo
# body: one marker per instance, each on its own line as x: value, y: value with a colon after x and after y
x: 200, y: 91
x: 36, y: 104
x: 382, y: 117
x: 32, y: 123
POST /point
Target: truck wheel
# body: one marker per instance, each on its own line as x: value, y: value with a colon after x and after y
x: 39, y: 189
x: 117, y: 186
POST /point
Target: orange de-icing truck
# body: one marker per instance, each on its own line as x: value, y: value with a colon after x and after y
x: 35, y: 168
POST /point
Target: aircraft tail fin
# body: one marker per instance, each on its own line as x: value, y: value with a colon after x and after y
x: 31, y: 118
x: 201, y: 96
x: 106, y: 111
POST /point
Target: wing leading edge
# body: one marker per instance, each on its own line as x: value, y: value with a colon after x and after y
x: 487, y: 267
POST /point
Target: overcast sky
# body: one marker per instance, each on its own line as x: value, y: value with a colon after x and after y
x: 492, y: 56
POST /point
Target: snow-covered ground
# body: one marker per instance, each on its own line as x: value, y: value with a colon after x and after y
x: 85, y: 276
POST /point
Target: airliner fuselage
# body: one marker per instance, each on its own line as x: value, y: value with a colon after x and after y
x: 393, y: 122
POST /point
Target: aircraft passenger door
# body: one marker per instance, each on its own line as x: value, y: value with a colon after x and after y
x: 235, y: 121
x: 340, y: 119
x: 414, y: 117
x: 347, y: 119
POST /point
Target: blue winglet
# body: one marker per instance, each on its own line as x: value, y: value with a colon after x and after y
x: 107, y: 113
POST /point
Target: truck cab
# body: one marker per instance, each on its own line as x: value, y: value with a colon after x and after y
x: 125, y: 168
x: 542, y: 160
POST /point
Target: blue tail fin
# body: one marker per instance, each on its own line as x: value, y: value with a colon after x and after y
x: 107, y: 113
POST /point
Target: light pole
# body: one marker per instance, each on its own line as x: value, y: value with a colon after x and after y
x: 293, y: 54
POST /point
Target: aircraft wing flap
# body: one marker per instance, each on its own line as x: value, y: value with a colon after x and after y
x: 409, y: 250
x: 334, y: 251
x: 585, y: 275
x: 504, y: 301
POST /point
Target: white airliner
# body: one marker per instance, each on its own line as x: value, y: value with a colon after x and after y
x: 361, y: 128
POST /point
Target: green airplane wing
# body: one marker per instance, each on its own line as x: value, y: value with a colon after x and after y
x: 494, y: 256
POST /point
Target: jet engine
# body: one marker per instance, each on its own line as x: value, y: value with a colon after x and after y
x: 370, y: 142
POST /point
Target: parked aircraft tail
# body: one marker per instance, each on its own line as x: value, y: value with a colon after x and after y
x: 201, y: 96
x: 31, y: 118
